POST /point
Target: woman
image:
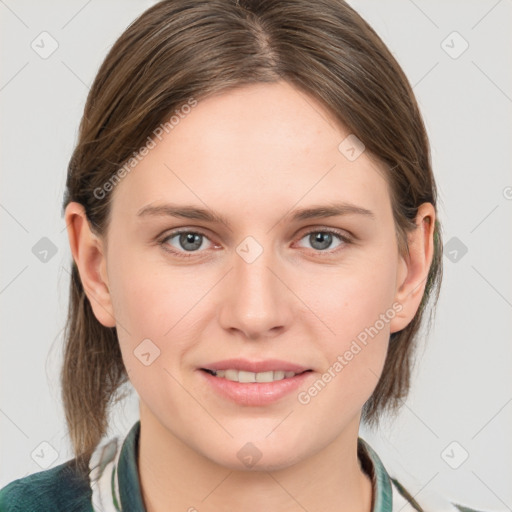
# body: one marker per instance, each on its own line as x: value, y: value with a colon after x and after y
x: 252, y: 215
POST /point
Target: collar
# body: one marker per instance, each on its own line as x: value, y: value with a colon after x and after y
x: 115, y: 483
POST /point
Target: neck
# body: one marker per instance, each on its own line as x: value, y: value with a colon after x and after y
x: 174, y: 477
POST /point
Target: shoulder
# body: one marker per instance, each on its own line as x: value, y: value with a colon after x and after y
x: 61, y: 488
x: 463, y: 508
x: 433, y: 503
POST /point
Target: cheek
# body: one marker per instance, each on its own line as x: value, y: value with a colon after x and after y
x: 353, y: 297
x: 157, y: 303
x: 147, y: 297
x: 143, y: 305
x: 355, y: 305
x: 146, y: 308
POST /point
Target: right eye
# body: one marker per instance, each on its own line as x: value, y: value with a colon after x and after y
x: 184, y: 241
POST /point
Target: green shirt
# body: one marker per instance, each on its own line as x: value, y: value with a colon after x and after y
x: 113, y: 484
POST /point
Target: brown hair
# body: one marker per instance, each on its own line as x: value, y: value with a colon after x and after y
x: 183, y: 49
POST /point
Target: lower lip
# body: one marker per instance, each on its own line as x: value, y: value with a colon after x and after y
x: 255, y: 393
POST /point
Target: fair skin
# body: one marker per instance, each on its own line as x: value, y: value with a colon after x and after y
x: 253, y: 155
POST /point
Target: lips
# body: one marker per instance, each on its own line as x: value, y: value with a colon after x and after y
x: 255, y: 393
x: 254, y: 383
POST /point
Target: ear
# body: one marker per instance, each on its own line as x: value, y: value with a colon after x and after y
x: 89, y: 255
x: 414, y: 268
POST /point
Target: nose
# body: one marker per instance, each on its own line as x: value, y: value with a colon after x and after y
x: 256, y: 301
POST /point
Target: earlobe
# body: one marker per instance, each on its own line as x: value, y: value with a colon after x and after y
x: 89, y: 255
x: 414, y: 268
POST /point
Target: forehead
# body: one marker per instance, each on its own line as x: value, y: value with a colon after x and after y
x: 252, y: 150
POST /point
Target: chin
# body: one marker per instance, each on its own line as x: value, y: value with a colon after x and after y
x: 275, y: 464
x: 255, y: 456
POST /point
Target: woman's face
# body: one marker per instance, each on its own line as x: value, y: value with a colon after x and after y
x: 315, y: 292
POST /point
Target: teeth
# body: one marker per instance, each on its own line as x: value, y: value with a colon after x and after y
x: 243, y: 376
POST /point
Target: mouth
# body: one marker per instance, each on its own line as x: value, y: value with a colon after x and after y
x: 254, y: 383
x: 243, y: 376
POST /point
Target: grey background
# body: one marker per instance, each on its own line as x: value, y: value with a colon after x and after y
x: 462, y: 388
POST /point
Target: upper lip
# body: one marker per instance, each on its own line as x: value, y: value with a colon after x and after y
x: 255, y: 366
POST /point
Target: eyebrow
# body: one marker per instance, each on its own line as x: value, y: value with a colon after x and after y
x: 312, y: 212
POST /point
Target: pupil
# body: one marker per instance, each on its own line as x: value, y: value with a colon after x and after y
x: 190, y: 238
x: 324, y: 239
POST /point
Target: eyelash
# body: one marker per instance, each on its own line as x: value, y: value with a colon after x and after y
x: 163, y: 242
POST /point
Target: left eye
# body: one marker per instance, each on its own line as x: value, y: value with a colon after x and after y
x: 321, y: 240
